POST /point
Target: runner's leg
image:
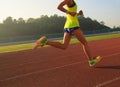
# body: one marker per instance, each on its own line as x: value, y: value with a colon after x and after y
x: 64, y: 45
x: 79, y: 35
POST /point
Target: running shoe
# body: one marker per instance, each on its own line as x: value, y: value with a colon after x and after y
x: 40, y: 42
x: 94, y: 61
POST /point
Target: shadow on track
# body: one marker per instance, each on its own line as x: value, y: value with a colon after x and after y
x: 109, y: 67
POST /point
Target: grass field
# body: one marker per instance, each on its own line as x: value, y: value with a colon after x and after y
x: 26, y: 46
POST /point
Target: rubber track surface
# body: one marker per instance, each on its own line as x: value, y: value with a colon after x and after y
x: 52, y: 67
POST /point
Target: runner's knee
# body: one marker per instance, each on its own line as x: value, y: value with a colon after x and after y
x: 85, y: 43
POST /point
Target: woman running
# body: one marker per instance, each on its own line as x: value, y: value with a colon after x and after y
x: 71, y: 27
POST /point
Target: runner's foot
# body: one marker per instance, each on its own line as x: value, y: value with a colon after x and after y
x: 94, y: 61
x: 40, y: 42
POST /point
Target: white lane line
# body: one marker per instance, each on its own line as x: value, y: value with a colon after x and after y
x: 108, y: 82
x: 112, y: 55
x: 41, y: 71
x: 54, y: 68
x: 8, y: 66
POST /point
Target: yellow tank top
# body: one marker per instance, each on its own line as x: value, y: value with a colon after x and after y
x: 71, y: 21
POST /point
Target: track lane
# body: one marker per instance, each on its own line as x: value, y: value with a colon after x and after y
x: 61, y: 71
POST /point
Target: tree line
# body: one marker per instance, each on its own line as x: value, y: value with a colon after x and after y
x: 44, y: 25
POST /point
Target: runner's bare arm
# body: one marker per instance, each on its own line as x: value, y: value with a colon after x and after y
x: 61, y: 8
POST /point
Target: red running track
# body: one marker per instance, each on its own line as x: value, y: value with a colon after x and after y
x: 52, y: 67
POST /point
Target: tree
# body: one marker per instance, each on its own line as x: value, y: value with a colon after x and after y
x: 30, y: 20
x: 102, y: 23
x: 15, y: 21
x: 44, y: 25
x: 8, y: 20
x: 21, y: 21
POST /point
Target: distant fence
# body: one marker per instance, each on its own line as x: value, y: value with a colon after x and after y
x: 102, y: 31
x: 58, y: 35
x: 28, y: 38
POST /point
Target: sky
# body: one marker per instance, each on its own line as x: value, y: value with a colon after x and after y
x: 100, y: 10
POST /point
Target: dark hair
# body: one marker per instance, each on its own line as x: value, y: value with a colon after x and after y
x: 73, y: 4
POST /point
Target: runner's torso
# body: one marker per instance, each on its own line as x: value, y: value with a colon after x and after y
x: 71, y: 21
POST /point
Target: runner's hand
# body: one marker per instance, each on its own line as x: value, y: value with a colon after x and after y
x: 72, y: 13
x: 80, y: 13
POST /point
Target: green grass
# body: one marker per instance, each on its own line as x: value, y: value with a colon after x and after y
x: 100, y: 37
x: 19, y: 47
x: 12, y: 48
